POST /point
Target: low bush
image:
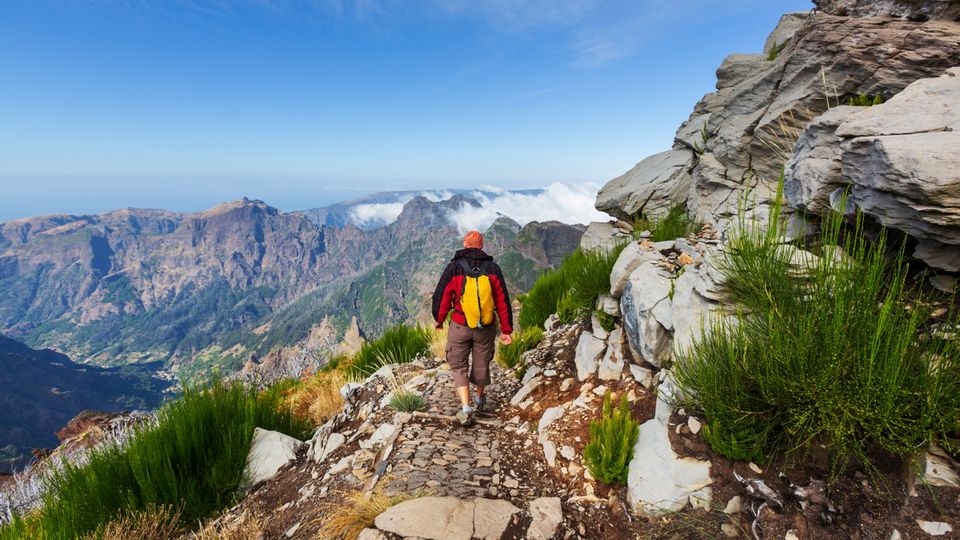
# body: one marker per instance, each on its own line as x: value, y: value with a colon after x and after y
x: 193, y: 459
x: 607, y: 455
x: 541, y: 301
x: 510, y: 356
x: 406, y: 401
x: 399, y: 345
x: 676, y: 223
x: 835, y: 351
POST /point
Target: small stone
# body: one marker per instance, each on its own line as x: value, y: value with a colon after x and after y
x: 567, y: 452
x: 694, y: 425
x: 292, y: 531
x: 734, y: 505
x: 729, y: 530
x: 791, y: 535
x: 895, y: 535
x: 685, y: 259
x: 511, y: 483
x: 755, y: 468
x: 549, y: 373
x: 934, y: 528
x: 565, y: 385
x: 600, y: 390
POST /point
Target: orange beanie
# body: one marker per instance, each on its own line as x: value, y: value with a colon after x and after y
x: 473, y: 239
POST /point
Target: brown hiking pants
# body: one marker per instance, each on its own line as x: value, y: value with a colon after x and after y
x: 461, y: 341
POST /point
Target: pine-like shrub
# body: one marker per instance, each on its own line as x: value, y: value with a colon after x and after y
x: 192, y: 459
x: 676, y: 223
x: 607, y: 455
x: 834, y: 350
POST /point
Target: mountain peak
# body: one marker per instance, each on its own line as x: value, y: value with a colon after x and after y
x: 239, y: 205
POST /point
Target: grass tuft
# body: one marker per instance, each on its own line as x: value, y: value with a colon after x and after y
x: 612, y: 437
x: 155, y: 523
x: 511, y: 356
x: 670, y: 226
x: 399, y: 345
x: 316, y: 398
x: 346, y: 519
x: 407, y: 401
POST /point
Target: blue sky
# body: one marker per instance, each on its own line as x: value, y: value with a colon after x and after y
x: 184, y: 103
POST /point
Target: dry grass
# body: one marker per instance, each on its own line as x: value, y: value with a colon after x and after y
x: 316, y: 397
x: 438, y: 342
x: 245, y: 528
x: 157, y: 523
x: 347, y: 516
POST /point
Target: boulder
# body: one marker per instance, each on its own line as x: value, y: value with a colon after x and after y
x: 588, y: 353
x: 611, y: 367
x: 547, y: 514
x: 653, y: 184
x: 915, y: 10
x: 690, y: 313
x: 602, y: 236
x: 647, y: 290
x: 938, y: 255
x: 737, y: 67
x: 630, y: 258
x: 659, y: 481
x: 813, y: 173
x: 785, y: 30
x: 269, y: 452
x: 448, y: 518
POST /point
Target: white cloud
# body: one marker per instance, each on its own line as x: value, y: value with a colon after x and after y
x: 377, y: 214
x: 567, y: 203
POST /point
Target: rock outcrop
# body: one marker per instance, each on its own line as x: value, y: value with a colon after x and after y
x: 900, y: 161
x: 917, y: 10
x: 740, y: 136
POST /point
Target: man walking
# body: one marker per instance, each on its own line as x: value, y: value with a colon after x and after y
x: 472, y: 291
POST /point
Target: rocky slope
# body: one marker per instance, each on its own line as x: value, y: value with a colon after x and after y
x: 522, y: 469
x: 214, y: 287
x: 43, y: 390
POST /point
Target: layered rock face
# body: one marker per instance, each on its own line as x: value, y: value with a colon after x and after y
x: 741, y: 136
x: 900, y: 161
x: 919, y: 10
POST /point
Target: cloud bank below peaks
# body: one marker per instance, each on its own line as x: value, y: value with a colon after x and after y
x: 567, y: 203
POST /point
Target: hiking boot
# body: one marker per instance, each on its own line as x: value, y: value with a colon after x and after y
x: 480, y: 404
x: 465, y: 417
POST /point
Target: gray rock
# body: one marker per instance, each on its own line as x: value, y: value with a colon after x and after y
x: 939, y: 469
x: 447, y: 518
x: 935, y: 528
x: 611, y: 367
x: 659, y: 181
x: 785, y: 30
x: 332, y: 442
x: 918, y: 10
x: 691, y: 312
x: 630, y: 258
x: 371, y: 534
x: 937, y: 255
x: 609, y: 305
x: 588, y: 353
x: 814, y: 171
x: 269, y: 452
x: 524, y: 391
x: 942, y: 283
x: 737, y: 67
x: 642, y: 375
x: 547, y: 514
x: 648, y: 286
x: 602, y: 236
x: 658, y: 480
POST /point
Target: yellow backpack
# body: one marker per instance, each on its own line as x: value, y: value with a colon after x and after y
x: 476, y: 297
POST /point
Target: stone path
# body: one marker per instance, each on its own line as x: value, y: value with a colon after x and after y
x: 444, y: 458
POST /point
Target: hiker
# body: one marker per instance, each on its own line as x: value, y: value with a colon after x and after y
x: 471, y: 290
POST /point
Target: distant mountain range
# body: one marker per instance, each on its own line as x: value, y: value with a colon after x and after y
x: 206, y: 290
x: 43, y: 390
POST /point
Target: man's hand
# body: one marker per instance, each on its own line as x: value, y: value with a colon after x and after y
x: 506, y: 339
x: 438, y: 326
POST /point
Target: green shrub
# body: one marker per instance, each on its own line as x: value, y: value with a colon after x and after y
x: 674, y: 224
x: 192, y: 459
x: 829, y: 354
x: 399, y: 345
x: 541, y: 301
x: 607, y: 321
x: 774, y: 51
x: 509, y: 356
x: 407, y: 401
x: 612, y: 437
x: 864, y: 100
x: 570, y: 291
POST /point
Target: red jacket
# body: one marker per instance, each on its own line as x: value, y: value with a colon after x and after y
x: 446, y: 297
